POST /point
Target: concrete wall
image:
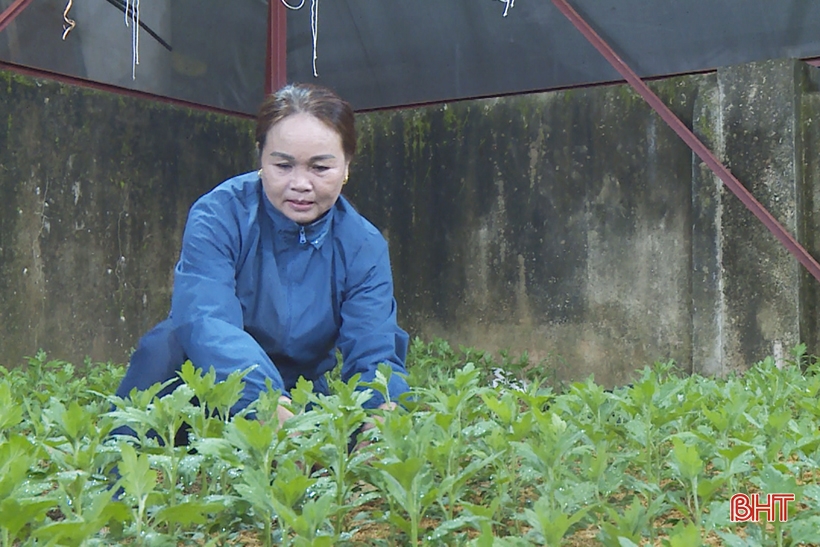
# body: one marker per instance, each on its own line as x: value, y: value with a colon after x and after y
x: 578, y: 226
x: 573, y: 225
x: 94, y: 192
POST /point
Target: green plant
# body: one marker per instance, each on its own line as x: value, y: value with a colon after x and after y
x: 459, y: 463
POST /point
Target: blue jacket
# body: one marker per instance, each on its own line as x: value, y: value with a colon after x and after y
x: 252, y: 287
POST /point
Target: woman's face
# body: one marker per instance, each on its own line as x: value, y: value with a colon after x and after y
x: 303, y: 167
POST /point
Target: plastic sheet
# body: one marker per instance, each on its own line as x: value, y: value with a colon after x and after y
x: 389, y: 53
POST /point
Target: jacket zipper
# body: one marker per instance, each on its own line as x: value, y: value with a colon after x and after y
x: 302, y: 238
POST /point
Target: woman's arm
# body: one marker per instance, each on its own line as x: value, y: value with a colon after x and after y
x: 369, y: 334
x: 205, y: 309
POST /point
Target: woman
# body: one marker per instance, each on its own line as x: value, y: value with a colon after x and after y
x: 278, y: 270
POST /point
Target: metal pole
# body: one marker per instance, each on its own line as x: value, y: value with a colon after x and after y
x: 276, y: 62
x: 11, y: 12
x: 694, y: 143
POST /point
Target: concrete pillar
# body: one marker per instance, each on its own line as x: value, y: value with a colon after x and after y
x: 707, y: 207
x: 809, y: 157
x: 747, y: 288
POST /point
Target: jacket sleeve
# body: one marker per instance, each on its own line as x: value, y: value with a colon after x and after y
x: 205, y: 310
x: 369, y: 334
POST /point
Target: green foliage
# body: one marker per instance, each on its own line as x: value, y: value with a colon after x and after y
x: 459, y: 463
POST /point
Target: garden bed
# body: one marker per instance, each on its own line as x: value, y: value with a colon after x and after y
x: 463, y: 463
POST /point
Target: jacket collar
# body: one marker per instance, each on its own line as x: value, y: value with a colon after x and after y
x: 314, y: 233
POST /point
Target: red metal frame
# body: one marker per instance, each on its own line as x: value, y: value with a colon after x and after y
x: 11, y: 12
x: 276, y: 60
x: 689, y: 138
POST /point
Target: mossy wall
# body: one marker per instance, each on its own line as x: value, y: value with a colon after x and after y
x: 577, y: 226
x: 556, y: 223
x: 94, y: 192
x: 573, y: 225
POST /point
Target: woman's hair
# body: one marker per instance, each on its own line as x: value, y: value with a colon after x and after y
x: 315, y: 100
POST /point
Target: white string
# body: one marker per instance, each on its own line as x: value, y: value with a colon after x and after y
x: 314, y: 29
x: 134, y: 23
x: 314, y: 26
x: 70, y: 23
x: 510, y: 4
x: 291, y: 7
x: 137, y: 35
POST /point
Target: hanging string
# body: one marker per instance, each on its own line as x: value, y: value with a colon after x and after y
x: 132, y: 19
x: 69, y: 24
x: 510, y: 4
x: 314, y: 22
x: 292, y: 7
x: 314, y: 26
x: 135, y: 38
x: 314, y: 29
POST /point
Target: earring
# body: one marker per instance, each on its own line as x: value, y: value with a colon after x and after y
x: 345, y: 181
x: 259, y: 173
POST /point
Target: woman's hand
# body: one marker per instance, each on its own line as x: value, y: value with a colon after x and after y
x: 371, y: 424
x: 384, y: 406
x: 282, y: 413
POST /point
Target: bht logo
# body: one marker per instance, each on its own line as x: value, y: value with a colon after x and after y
x: 743, y: 508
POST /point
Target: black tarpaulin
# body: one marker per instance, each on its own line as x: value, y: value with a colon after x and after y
x: 388, y: 53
